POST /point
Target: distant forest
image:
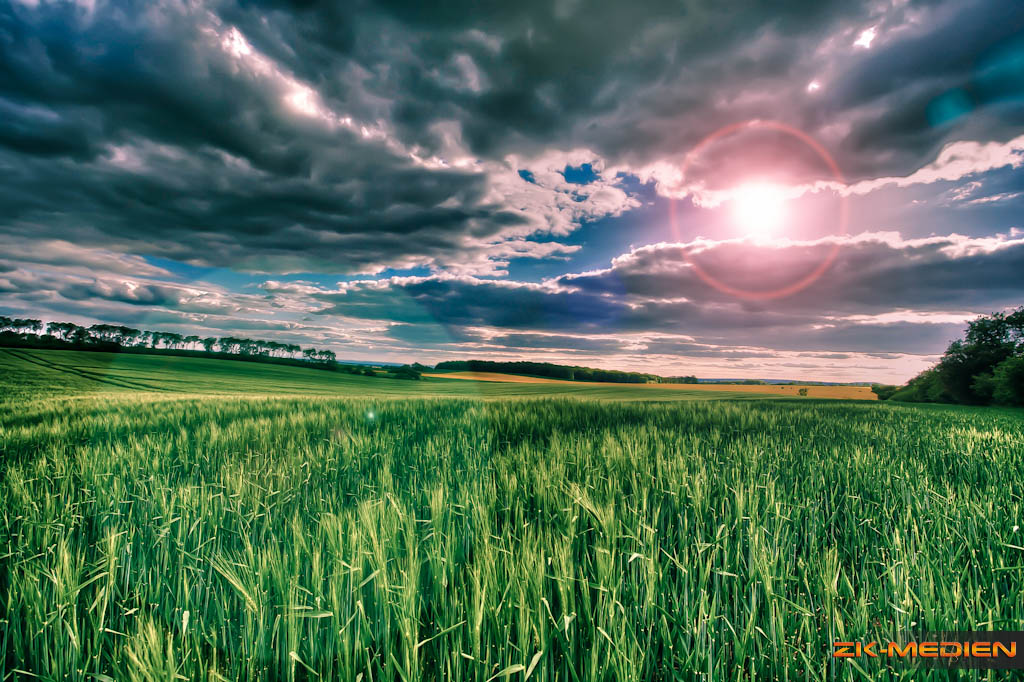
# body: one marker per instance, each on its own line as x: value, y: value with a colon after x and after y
x: 29, y: 333
x: 986, y: 367
x: 565, y: 372
x: 61, y: 334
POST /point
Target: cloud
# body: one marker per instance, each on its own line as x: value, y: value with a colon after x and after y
x: 375, y: 139
x: 250, y: 136
x: 230, y: 158
x: 956, y: 161
x: 883, y: 293
x: 645, y: 310
x: 74, y: 258
x: 866, y: 37
x: 871, y: 272
x: 49, y: 284
x: 561, y: 342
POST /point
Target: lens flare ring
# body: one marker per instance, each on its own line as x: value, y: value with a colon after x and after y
x: 830, y: 257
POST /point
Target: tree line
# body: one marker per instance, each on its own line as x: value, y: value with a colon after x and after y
x: 986, y: 367
x: 564, y: 372
x: 69, y: 334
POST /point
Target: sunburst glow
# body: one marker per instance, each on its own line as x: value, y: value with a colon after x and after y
x: 759, y: 209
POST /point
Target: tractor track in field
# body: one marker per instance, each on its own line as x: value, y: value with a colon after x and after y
x: 91, y: 376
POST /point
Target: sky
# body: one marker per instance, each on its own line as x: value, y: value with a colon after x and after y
x: 802, y: 189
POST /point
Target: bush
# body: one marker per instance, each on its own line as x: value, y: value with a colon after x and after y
x: 406, y: 372
x: 884, y: 391
x: 1008, y: 382
x: 926, y: 387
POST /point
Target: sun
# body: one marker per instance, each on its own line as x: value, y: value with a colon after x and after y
x: 758, y: 209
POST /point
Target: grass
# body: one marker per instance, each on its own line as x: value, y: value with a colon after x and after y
x: 81, y: 373
x: 153, y: 535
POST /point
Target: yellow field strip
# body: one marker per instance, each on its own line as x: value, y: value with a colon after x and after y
x: 841, y: 392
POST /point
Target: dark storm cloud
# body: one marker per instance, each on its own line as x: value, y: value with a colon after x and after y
x: 158, y: 129
x: 632, y: 82
x: 218, y: 135
x: 929, y: 82
x: 562, y: 65
x: 610, y: 75
x: 459, y: 302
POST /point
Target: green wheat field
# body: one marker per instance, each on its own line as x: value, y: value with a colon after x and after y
x: 166, y: 518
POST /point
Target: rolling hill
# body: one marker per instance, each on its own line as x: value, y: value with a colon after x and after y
x: 60, y: 373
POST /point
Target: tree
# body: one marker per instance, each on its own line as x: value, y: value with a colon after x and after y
x: 80, y: 335
x: 129, y: 336
x: 21, y: 324
x: 106, y: 332
x: 990, y: 339
x: 246, y: 346
x: 228, y: 344
x: 972, y: 369
x: 64, y: 330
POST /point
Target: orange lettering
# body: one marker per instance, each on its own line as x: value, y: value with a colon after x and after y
x: 842, y: 650
x: 957, y: 649
x: 981, y: 649
x: 1011, y: 652
x: 909, y: 649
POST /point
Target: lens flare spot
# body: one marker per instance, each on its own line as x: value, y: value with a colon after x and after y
x: 758, y: 209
